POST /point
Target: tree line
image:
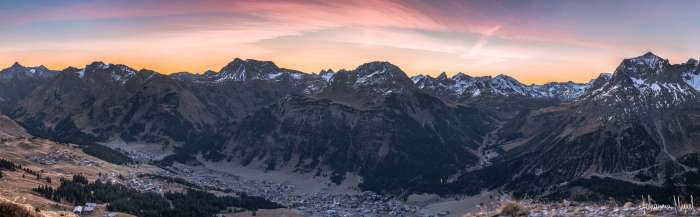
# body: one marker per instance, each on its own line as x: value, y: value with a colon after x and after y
x: 8, y: 165
x: 119, y: 198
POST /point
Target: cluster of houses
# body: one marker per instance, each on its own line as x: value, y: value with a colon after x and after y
x: 57, y: 156
x: 133, y: 181
x: 145, y: 185
x: 87, y: 209
x: 312, y: 204
x: 363, y: 204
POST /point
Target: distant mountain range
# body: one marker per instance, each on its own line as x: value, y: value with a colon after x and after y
x: 402, y: 135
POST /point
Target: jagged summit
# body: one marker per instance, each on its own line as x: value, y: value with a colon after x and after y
x: 13, y: 71
x: 18, y: 71
x: 377, y: 68
x: 442, y: 76
x: 381, y: 74
x: 101, y: 71
x: 507, y: 78
x: 462, y: 86
x: 70, y: 69
x: 251, y: 69
x: 324, y: 71
x: 650, y: 68
x: 648, y: 58
x: 460, y: 76
x: 97, y: 64
x: 105, y: 67
x: 640, y: 71
x: 327, y: 74
x: 646, y: 84
x: 369, y: 80
x: 208, y: 72
x: 645, y: 65
x: 16, y: 65
x: 239, y: 63
x: 599, y: 81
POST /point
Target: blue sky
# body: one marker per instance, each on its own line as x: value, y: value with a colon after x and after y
x: 534, y: 41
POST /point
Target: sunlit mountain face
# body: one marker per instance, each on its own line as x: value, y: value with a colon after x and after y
x: 349, y: 108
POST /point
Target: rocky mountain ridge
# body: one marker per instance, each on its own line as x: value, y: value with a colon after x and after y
x: 634, y: 131
x: 462, y: 86
x: 246, y: 70
x: 456, y: 134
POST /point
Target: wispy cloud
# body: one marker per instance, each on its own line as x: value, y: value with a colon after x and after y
x: 480, y: 43
x: 426, y: 36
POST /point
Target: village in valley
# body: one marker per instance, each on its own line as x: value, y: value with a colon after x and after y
x: 44, y: 160
x: 58, y: 161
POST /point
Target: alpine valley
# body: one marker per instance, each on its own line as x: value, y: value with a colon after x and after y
x: 622, y: 135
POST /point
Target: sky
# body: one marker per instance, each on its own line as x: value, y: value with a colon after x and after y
x: 534, y: 41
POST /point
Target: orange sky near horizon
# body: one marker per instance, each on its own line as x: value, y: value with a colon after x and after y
x: 527, y: 75
x: 533, y: 41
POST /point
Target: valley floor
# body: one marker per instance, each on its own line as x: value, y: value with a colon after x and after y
x: 304, y: 195
x: 53, y: 161
x: 50, y: 160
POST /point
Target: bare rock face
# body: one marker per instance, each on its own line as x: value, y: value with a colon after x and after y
x: 638, y: 126
x: 427, y: 139
x: 17, y: 82
x: 370, y: 121
x: 9, y: 129
x: 368, y: 84
x: 462, y: 87
x: 401, y: 134
x: 17, y: 71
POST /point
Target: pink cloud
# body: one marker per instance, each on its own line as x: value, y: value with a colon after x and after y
x: 280, y: 17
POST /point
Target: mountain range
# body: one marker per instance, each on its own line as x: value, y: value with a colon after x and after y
x: 621, y: 135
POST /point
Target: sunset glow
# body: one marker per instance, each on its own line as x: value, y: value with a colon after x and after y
x: 533, y: 41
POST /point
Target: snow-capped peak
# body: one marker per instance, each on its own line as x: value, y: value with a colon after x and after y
x: 649, y: 60
x: 693, y: 79
x: 327, y: 74
x: 376, y: 78
x: 235, y: 70
x: 250, y: 69
x: 693, y: 62
x: 16, y: 65
x: 460, y: 76
x: 97, y: 65
x: 649, y: 82
x: 692, y: 76
x: 380, y: 73
x: 81, y: 73
x: 506, y: 85
x: 379, y: 68
x: 442, y: 76
x: 418, y: 78
x: 19, y: 71
x: 118, y: 73
x: 461, y: 85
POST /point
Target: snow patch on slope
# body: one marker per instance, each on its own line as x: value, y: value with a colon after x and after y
x: 693, y: 80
